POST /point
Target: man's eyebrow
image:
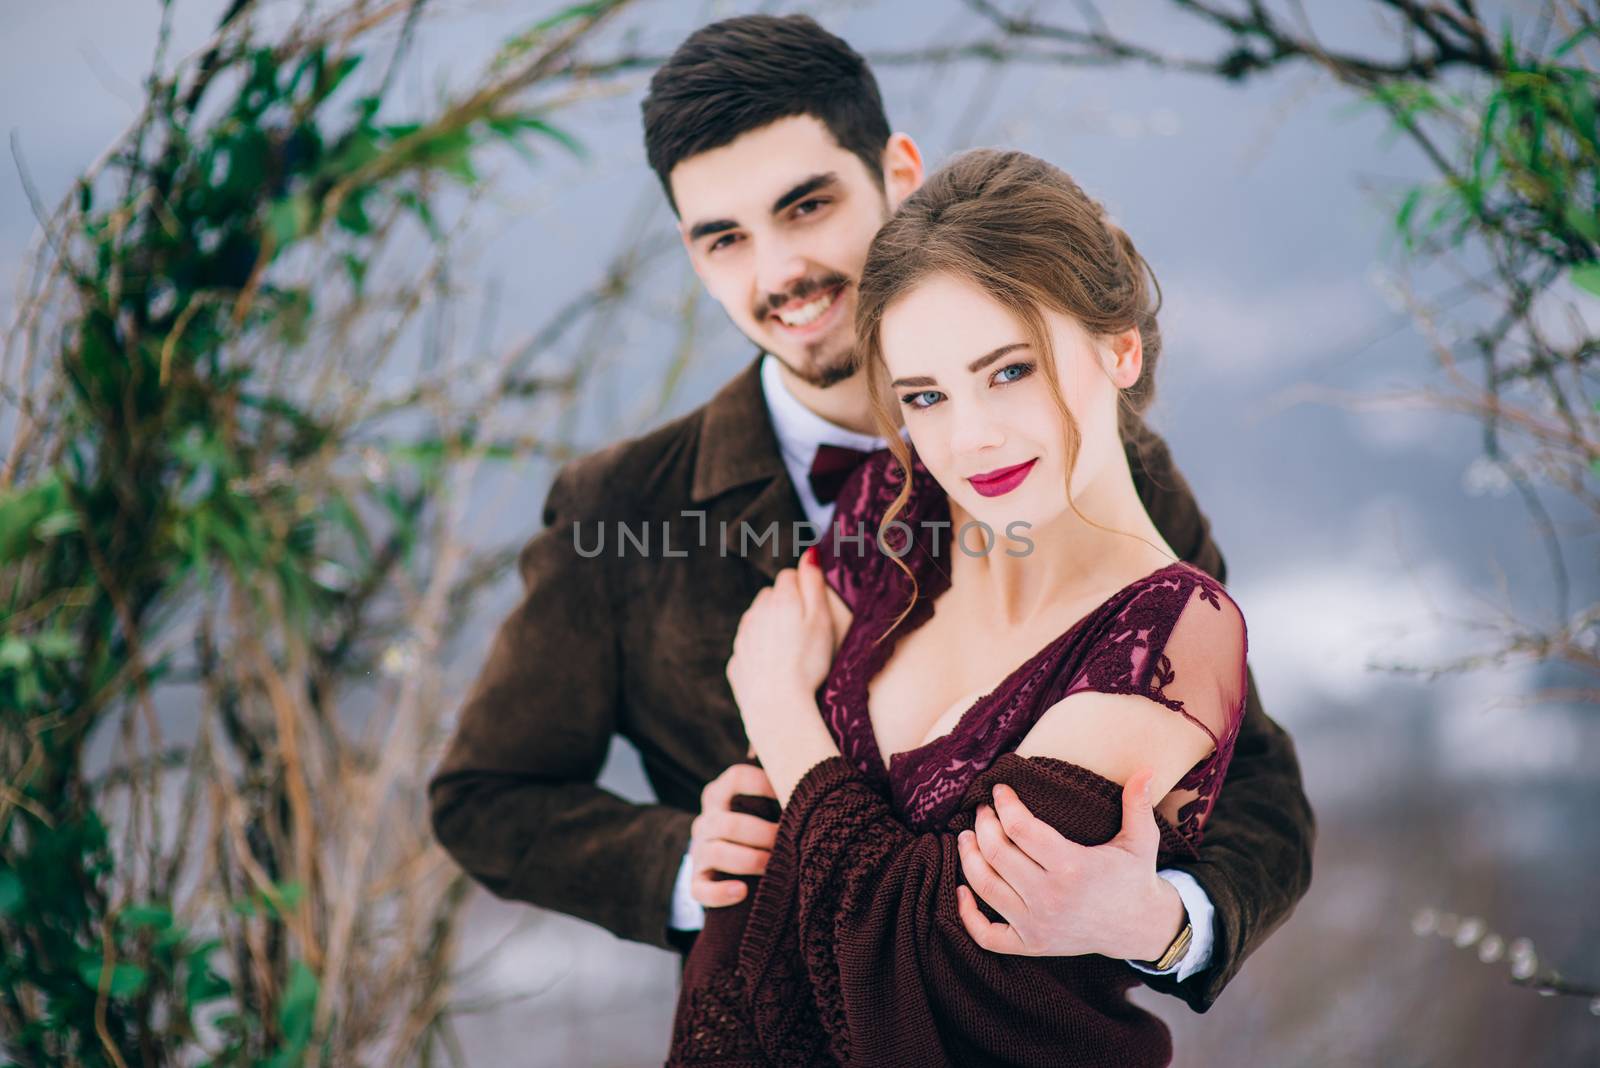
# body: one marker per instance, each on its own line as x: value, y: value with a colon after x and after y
x: 715, y: 226
x: 974, y: 367
x: 804, y: 189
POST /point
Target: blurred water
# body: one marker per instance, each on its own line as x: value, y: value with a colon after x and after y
x: 1353, y: 537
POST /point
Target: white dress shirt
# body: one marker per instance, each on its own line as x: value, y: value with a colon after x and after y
x: 800, y: 431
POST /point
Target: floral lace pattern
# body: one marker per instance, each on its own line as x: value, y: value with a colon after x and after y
x: 1132, y: 643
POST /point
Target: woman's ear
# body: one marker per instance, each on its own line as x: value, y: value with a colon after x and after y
x: 1125, y: 358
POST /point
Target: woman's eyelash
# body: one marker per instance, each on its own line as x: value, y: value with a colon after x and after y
x: 1025, y: 367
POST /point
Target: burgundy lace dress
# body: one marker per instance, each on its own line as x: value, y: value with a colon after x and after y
x: 850, y: 949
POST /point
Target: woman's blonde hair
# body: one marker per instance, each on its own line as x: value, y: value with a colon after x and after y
x: 1025, y: 233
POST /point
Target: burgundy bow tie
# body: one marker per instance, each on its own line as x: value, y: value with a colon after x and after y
x: 830, y: 467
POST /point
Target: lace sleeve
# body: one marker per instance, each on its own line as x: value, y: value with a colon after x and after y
x: 1182, y: 644
x: 848, y: 552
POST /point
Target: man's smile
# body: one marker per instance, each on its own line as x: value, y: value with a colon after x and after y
x: 809, y: 316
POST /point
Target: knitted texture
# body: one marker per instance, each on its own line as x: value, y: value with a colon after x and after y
x: 850, y: 950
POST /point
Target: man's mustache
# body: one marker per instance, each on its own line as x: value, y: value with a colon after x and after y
x: 803, y: 289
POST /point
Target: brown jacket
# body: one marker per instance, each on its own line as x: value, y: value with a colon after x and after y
x: 636, y: 641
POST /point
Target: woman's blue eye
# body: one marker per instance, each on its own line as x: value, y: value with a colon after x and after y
x: 1023, y: 370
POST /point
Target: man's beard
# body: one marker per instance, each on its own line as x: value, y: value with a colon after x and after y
x: 820, y: 367
x: 823, y: 370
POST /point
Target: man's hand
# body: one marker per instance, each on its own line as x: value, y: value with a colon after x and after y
x: 1062, y: 899
x: 727, y: 841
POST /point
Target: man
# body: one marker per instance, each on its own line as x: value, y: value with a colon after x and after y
x: 770, y: 140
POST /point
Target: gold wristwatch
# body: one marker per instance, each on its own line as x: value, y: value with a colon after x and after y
x: 1175, y: 952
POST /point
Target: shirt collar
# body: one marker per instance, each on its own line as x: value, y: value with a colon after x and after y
x: 800, y: 430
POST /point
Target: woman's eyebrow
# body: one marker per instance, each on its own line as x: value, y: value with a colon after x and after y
x: 974, y: 367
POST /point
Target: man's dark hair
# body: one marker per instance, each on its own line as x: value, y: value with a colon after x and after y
x: 740, y: 74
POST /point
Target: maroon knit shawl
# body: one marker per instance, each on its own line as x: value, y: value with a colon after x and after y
x: 850, y: 949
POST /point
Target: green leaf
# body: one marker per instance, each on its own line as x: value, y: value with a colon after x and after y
x: 288, y: 219
x: 127, y: 980
x: 1587, y: 276
x: 15, y: 653
x: 1583, y: 220
x: 201, y: 984
x: 576, y: 11
x: 343, y: 514
x: 1402, y: 219
x: 22, y: 513
x: 56, y: 645
x: 55, y: 524
x: 509, y: 127
x: 329, y: 82
x: 249, y: 154
x: 1580, y: 102
x: 1571, y: 42
x: 157, y: 917
x: 451, y: 152
x: 296, y: 1011
x: 398, y: 131
x: 356, y: 268
x: 13, y: 892
x: 352, y: 215
x: 359, y: 149
x: 423, y: 212
x: 294, y: 317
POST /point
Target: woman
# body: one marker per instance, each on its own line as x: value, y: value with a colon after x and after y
x: 1009, y: 616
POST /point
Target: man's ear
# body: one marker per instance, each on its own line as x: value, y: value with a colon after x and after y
x: 902, y: 168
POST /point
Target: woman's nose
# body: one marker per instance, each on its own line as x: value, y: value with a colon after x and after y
x: 975, y: 428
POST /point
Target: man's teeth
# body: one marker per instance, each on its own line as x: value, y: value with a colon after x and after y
x: 807, y: 312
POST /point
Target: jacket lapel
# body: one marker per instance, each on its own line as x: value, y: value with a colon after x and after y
x: 738, y: 450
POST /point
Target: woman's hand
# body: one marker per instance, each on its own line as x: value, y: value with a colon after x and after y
x: 782, y: 651
x: 781, y: 654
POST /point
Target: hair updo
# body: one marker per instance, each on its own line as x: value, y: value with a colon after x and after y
x: 1024, y: 232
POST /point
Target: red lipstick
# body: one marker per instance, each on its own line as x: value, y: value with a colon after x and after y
x: 1002, y: 480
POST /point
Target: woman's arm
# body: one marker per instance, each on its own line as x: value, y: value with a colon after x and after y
x: 1166, y: 702
x: 1116, y: 734
x: 1059, y: 898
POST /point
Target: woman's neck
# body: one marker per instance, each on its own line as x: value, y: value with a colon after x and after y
x: 1069, y: 559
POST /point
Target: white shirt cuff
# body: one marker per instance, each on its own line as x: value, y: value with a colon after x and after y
x: 1201, y: 918
x: 687, y: 913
